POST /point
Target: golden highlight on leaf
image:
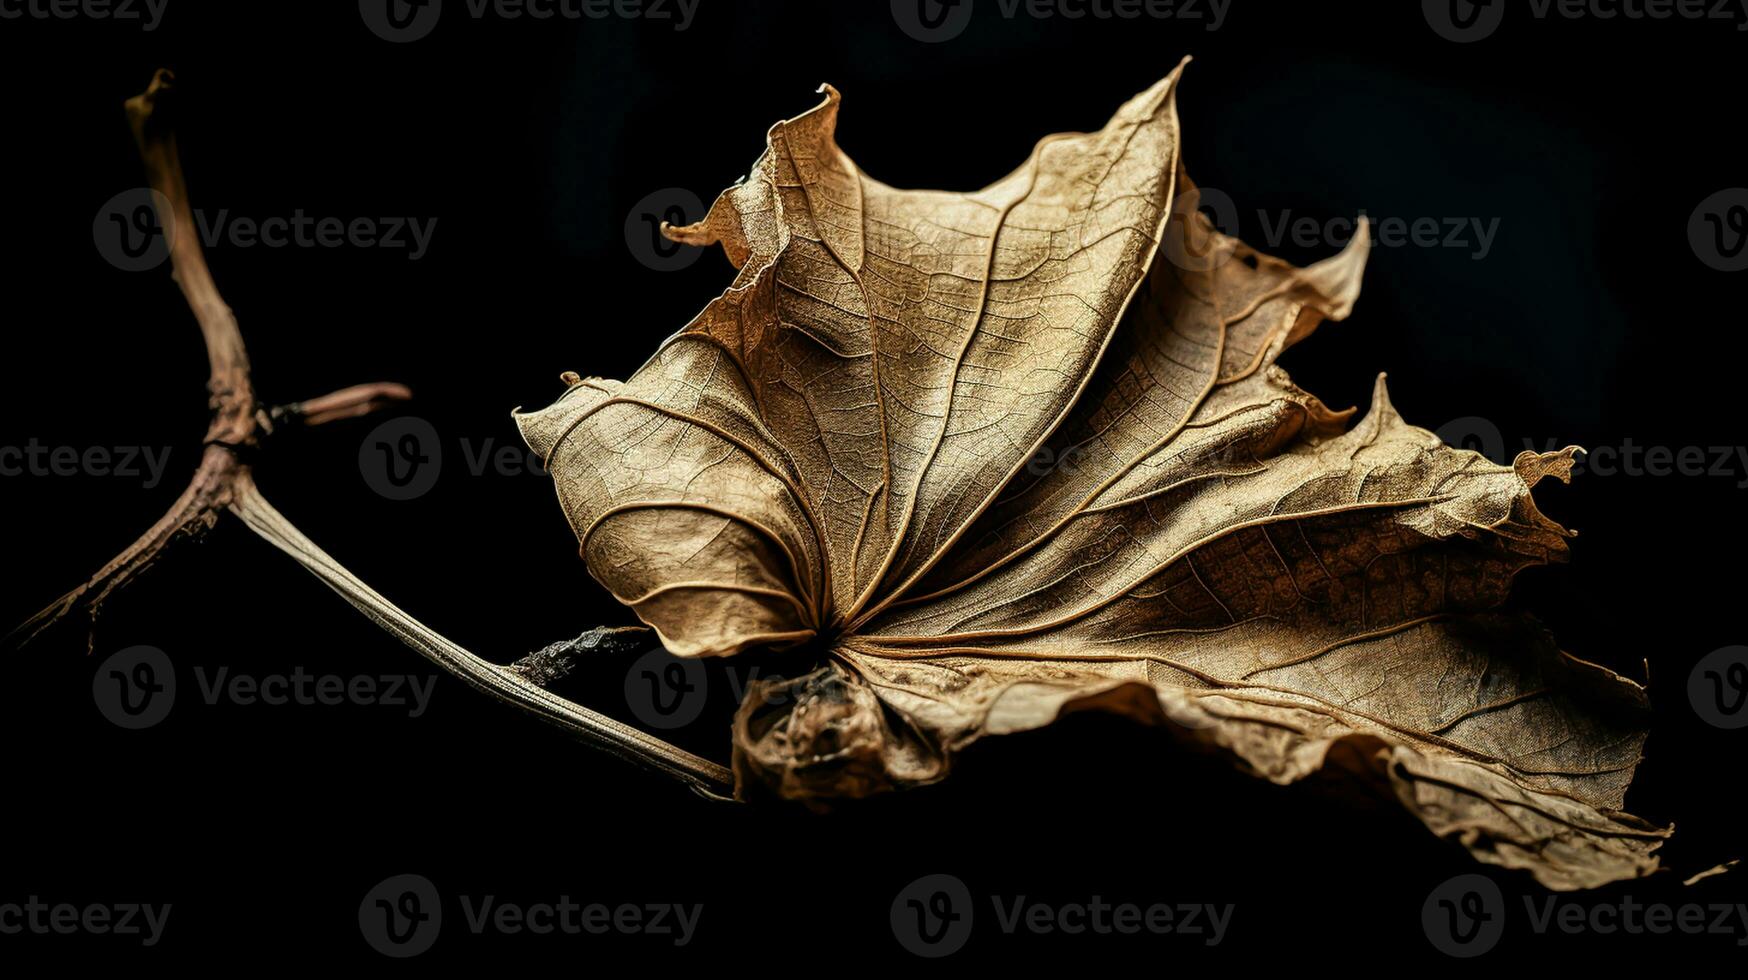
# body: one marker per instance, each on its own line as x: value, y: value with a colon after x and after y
x: 1006, y: 455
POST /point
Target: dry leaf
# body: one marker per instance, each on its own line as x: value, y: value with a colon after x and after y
x: 1005, y: 455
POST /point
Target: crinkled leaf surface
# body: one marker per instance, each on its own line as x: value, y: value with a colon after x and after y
x: 1021, y: 452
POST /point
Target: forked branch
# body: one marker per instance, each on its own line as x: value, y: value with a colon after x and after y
x: 225, y: 482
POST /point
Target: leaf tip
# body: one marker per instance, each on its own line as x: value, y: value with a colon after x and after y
x: 1532, y: 467
x: 1337, y: 279
x: 1383, y: 409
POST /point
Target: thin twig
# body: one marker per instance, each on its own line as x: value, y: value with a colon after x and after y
x: 347, y: 403
x: 504, y: 683
x: 224, y: 482
x: 231, y: 398
x: 191, y: 516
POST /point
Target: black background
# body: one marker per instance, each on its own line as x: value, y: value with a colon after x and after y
x: 1591, y: 321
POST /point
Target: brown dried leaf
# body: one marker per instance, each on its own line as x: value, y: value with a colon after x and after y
x: 1016, y: 453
